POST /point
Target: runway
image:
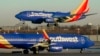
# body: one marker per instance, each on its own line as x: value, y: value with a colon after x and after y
x: 66, y: 52
x: 52, y: 54
x: 70, y: 52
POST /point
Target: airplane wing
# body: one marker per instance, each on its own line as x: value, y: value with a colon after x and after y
x: 47, y: 45
x: 46, y: 42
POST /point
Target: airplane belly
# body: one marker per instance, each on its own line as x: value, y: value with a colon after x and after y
x: 21, y: 44
x: 72, y: 45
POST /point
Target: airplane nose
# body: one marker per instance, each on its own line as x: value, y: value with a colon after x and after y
x: 90, y: 43
x: 17, y: 16
x: 20, y: 16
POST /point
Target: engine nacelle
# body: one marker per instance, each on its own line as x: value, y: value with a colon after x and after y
x: 37, y: 22
x: 49, y: 20
x: 60, y: 20
x: 55, y: 49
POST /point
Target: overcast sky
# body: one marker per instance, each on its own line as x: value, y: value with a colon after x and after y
x: 9, y: 8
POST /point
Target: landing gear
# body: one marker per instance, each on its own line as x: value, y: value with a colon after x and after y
x: 23, y: 22
x: 55, y: 24
x: 35, y: 50
x: 48, y: 25
x: 25, y: 51
x: 81, y: 51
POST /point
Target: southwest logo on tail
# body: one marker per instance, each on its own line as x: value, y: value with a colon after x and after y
x: 79, y: 11
x: 38, y: 17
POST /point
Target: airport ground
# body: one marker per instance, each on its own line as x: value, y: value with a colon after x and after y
x: 68, y: 52
x: 54, y: 54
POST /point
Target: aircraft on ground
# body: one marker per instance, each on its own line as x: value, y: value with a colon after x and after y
x: 38, y: 17
x: 39, y: 42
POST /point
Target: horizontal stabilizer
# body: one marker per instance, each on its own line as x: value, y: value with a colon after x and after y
x: 91, y: 14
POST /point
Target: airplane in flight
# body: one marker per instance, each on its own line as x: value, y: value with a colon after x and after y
x: 39, y: 42
x: 38, y: 17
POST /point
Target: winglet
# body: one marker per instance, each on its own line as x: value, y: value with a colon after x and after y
x: 45, y: 34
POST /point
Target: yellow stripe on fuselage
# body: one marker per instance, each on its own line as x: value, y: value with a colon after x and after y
x: 5, y: 42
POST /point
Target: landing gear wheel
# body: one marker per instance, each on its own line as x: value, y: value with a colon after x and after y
x: 81, y: 51
x: 25, y: 51
x: 55, y: 24
x: 23, y: 22
x: 48, y: 25
x: 35, y: 50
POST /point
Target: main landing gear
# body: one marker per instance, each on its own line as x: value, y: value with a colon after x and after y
x: 81, y: 51
x: 26, y: 51
x: 50, y: 24
x: 34, y: 50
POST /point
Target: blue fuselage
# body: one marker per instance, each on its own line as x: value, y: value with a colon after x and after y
x: 41, y: 16
x: 26, y: 41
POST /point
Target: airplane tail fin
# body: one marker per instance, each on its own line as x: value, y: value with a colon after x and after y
x: 46, y: 37
x: 45, y: 34
x: 79, y: 11
x: 82, y: 8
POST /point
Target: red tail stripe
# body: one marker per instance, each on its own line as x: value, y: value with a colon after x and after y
x: 45, y: 34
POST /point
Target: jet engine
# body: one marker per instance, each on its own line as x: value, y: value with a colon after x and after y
x: 49, y: 20
x: 55, y: 48
x: 37, y: 21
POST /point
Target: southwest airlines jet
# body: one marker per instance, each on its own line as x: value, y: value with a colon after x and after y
x: 39, y: 42
x: 38, y: 17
